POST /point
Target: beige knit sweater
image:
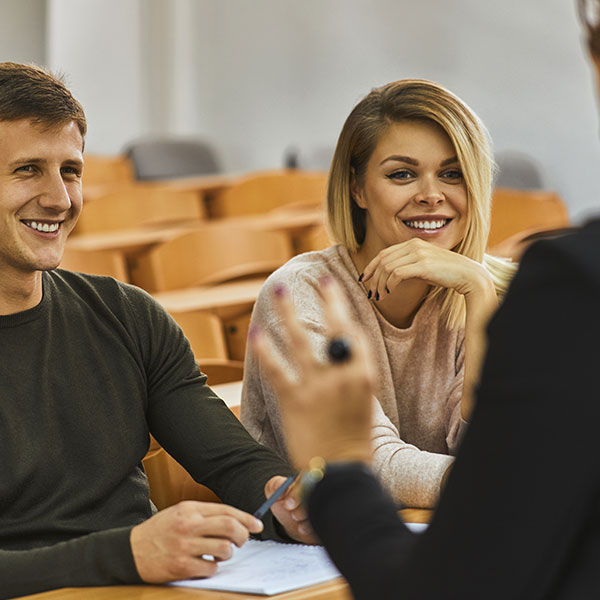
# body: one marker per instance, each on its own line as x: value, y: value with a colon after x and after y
x: 417, y: 420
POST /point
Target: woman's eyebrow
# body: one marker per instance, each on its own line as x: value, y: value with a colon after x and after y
x: 405, y: 159
x: 449, y: 161
x: 415, y: 162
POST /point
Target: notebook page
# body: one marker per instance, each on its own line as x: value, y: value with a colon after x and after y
x: 269, y: 568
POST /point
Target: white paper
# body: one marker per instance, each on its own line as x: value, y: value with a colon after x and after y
x: 269, y: 568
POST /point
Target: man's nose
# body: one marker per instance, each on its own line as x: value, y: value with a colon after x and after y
x: 55, y: 195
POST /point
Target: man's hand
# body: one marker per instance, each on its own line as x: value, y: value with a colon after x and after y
x: 171, y: 544
x: 290, y: 513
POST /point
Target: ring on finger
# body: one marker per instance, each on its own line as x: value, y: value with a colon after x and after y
x: 339, y: 350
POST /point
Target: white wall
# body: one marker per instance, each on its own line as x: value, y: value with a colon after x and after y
x: 257, y: 76
x: 23, y: 31
x: 97, y: 43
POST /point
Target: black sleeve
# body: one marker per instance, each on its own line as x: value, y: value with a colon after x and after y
x: 102, y: 558
x: 196, y: 427
x: 524, y: 490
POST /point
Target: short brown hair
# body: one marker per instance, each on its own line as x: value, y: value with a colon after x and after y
x: 30, y: 92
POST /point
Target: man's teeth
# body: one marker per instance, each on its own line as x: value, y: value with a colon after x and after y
x: 45, y: 227
x: 427, y: 224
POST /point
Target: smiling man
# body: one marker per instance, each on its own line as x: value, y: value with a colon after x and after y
x: 88, y: 368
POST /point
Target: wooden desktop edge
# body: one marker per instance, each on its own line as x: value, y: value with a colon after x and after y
x: 331, y: 590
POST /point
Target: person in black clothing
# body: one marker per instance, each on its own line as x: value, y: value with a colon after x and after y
x: 519, y: 517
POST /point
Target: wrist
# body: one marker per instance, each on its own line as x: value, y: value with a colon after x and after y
x: 318, y: 469
x: 481, y: 284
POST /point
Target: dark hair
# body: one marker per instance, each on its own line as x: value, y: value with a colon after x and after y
x: 30, y: 92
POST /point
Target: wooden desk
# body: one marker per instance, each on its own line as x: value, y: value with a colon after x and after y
x: 129, y: 241
x: 230, y: 393
x: 226, y: 299
x: 332, y: 590
x: 205, y: 184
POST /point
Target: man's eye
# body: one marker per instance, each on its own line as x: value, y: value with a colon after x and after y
x: 71, y: 171
x: 25, y: 169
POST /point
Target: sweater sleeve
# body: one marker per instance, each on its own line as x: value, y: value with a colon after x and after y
x: 519, y: 515
x: 196, y: 427
x: 102, y: 558
x: 455, y: 424
x: 413, y: 477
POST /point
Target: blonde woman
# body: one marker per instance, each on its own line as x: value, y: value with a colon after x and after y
x: 408, y: 205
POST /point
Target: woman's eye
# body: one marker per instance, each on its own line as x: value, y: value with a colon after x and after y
x: 25, y: 169
x: 452, y: 174
x: 400, y: 175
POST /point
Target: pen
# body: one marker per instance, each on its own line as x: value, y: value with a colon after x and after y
x: 260, y: 513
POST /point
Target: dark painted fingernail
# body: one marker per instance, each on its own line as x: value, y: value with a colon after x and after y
x: 279, y: 290
x: 360, y: 277
x: 386, y: 289
x: 369, y: 294
x: 376, y: 295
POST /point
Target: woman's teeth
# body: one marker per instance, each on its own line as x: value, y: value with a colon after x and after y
x: 426, y: 224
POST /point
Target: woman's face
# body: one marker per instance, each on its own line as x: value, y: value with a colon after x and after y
x: 413, y: 187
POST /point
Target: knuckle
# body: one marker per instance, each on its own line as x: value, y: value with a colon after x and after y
x: 181, y: 524
x: 179, y: 567
x: 229, y: 526
x: 223, y: 549
x: 206, y: 568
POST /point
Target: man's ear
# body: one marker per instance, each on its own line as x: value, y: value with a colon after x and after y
x: 357, y: 192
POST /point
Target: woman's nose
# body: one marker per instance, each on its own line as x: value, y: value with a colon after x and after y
x: 429, y: 194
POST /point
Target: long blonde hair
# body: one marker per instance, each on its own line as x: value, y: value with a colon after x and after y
x: 417, y: 100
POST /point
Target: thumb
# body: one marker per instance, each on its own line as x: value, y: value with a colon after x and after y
x: 273, y: 484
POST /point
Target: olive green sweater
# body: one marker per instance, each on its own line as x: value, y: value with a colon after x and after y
x: 84, y: 377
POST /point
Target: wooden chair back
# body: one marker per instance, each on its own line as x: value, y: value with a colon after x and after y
x: 211, y: 254
x: 106, y: 169
x: 514, y: 211
x: 96, y: 262
x: 139, y: 206
x: 265, y: 191
x: 170, y: 483
x: 204, y: 330
x: 236, y: 334
x: 221, y: 370
x: 315, y: 238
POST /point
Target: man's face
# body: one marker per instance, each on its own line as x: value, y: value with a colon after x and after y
x: 40, y: 194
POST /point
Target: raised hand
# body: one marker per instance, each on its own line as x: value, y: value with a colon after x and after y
x: 326, y: 407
